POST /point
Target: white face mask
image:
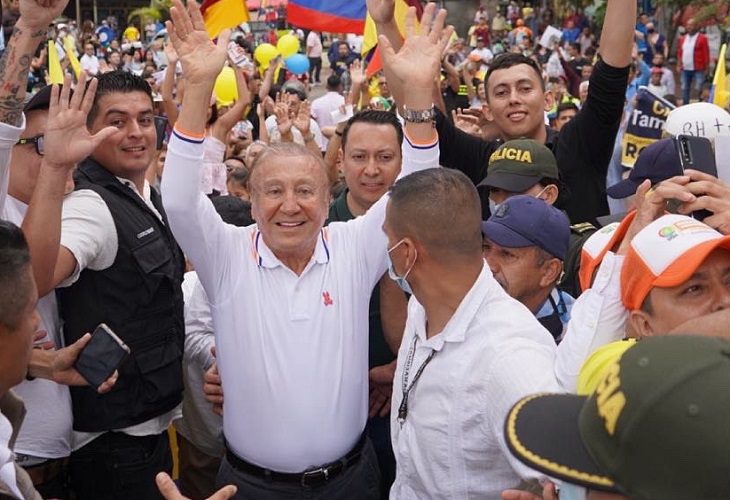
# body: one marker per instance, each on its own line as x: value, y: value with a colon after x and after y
x: 400, y: 280
x: 540, y: 194
x: 493, y: 206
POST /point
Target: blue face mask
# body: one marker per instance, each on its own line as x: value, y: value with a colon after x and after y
x: 400, y: 280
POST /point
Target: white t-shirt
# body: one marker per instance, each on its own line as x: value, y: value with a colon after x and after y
x: 90, y: 64
x: 688, y: 52
x: 486, y: 57
x: 314, y: 45
x: 275, y: 136
x: 89, y: 233
x: 46, y: 429
x: 322, y: 109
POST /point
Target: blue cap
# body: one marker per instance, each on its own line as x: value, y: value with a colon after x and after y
x: 657, y: 162
x: 526, y: 221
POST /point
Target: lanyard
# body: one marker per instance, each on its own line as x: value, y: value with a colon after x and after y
x: 403, y: 408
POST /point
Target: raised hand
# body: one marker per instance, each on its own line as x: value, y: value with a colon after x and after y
x: 382, y: 11
x: 357, y: 75
x: 418, y: 61
x: 281, y: 111
x: 66, y: 136
x: 466, y: 123
x: 201, y: 59
x: 38, y: 14
x: 303, y: 119
x: 170, y: 54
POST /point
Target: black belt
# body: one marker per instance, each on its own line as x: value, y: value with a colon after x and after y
x: 309, y: 478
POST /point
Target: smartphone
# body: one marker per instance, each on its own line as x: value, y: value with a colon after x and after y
x: 101, y: 356
x: 161, y: 129
x: 696, y: 153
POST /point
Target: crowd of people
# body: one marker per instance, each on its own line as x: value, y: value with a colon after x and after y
x: 435, y: 280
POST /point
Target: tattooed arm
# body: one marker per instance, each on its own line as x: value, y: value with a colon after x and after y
x: 29, y: 31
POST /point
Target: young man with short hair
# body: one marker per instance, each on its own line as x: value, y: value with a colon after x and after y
x: 517, y: 101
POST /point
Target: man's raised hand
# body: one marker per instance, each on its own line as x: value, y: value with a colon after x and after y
x: 66, y: 138
x: 38, y: 14
x: 201, y: 59
x: 418, y: 61
x: 382, y: 11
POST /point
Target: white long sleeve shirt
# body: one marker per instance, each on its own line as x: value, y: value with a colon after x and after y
x: 598, y: 317
x: 292, y: 350
x: 492, y: 353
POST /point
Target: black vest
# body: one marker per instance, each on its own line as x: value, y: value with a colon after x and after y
x: 140, y: 298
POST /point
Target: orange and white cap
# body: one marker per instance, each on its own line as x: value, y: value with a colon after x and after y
x: 664, y: 254
x: 596, y: 247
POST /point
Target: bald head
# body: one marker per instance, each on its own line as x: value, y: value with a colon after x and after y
x: 440, y: 209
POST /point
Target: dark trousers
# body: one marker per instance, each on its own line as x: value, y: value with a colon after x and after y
x: 359, y: 482
x: 198, y: 470
x: 116, y: 466
x: 378, y: 430
x: 315, y: 67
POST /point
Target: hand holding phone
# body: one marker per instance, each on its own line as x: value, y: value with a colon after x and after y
x: 696, y: 153
x: 101, y: 356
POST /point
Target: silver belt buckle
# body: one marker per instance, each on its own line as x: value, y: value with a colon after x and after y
x: 311, y: 473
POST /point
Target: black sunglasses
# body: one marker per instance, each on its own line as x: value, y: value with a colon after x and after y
x: 37, y: 141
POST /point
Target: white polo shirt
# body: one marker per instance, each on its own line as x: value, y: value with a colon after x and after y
x: 292, y: 350
x: 491, y: 353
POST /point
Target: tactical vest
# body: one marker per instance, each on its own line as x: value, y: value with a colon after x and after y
x: 140, y: 298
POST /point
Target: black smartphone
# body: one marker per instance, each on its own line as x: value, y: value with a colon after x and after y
x: 101, y: 356
x: 161, y: 128
x: 696, y: 153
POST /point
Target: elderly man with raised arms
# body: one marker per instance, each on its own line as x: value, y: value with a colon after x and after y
x: 289, y: 297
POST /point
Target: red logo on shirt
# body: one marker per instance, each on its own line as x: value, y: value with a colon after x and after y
x: 327, y: 299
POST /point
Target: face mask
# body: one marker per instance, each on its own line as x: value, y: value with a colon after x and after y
x: 540, y: 193
x: 571, y: 492
x: 493, y: 206
x: 400, y: 280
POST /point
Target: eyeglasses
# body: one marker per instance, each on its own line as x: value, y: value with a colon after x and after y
x: 37, y: 141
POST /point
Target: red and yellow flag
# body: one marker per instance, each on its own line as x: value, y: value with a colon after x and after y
x: 222, y: 14
x: 370, y: 39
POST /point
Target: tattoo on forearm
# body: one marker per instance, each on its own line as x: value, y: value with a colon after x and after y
x: 14, y: 67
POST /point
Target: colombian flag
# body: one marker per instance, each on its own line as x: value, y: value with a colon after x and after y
x: 221, y: 14
x: 336, y: 16
x: 370, y: 50
x: 720, y: 94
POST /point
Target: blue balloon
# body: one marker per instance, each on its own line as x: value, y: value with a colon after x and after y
x: 297, y: 64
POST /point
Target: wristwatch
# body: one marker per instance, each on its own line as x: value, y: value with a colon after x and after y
x: 419, y: 115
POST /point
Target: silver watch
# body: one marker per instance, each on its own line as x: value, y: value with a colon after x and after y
x: 419, y: 115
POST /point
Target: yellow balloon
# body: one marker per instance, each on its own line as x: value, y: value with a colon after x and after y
x: 264, y: 53
x: 288, y: 45
x: 225, y: 87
